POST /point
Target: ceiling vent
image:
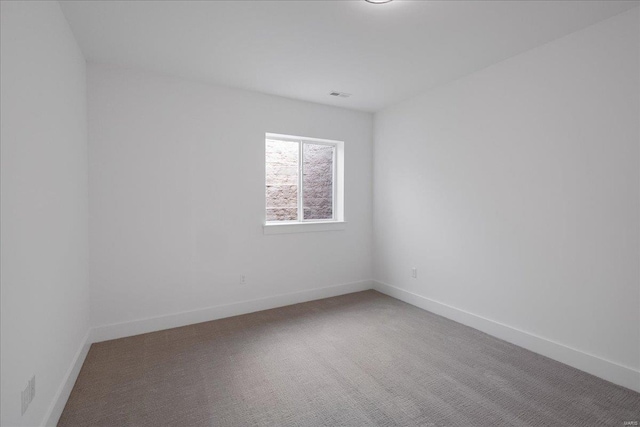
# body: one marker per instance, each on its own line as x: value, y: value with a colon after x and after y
x: 340, y: 94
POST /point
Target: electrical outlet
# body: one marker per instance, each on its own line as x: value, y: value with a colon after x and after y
x: 243, y: 279
x: 414, y: 272
x: 28, y: 394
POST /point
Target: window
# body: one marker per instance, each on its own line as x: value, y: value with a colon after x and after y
x: 303, y: 182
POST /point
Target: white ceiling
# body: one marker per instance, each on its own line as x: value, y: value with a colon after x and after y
x: 305, y: 49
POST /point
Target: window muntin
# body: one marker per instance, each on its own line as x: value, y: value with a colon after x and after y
x: 301, y: 179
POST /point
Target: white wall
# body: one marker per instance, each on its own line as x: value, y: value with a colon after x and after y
x: 44, y: 286
x: 515, y: 192
x: 177, y: 197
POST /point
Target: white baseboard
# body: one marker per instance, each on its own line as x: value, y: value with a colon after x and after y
x: 143, y: 326
x: 62, y: 395
x: 605, y: 369
x: 610, y: 371
x: 126, y: 329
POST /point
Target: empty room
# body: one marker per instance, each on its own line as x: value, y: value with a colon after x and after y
x: 320, y: 213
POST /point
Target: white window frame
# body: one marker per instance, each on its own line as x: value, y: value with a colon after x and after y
x: 337, y: 222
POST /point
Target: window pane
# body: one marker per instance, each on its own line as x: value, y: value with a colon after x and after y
x: 281, y: 161
x: 318, y: 181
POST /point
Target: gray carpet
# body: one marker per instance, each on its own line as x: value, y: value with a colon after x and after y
x: 362, y: 359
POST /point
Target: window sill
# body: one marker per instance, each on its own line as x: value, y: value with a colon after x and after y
x: 303, y: 227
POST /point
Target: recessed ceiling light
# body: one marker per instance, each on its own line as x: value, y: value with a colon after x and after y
x: 378, y: 1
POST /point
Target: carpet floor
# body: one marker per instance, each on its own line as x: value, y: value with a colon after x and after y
x: 362, y: 359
